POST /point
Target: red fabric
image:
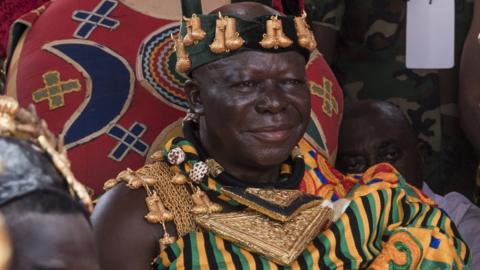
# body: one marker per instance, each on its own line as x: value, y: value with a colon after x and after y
x: 155, y: 80
x: 277, y: 4
x: 10, y: 10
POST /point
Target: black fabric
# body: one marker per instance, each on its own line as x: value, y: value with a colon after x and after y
x: 284, y: 211
x: 190, y: 7
x: 250, y: 30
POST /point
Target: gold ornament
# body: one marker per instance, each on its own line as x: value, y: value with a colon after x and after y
x: 203, y: 205
x: 218, y: 45
x: 156, y: 210
x: 149, y: 181
x: 131, y: 178
x: 166, y: 240
x: 226, y: 36
x: 275, y: 37
x: 176, y: 199
x: 179, y: 179
x: 233, y: 41
x: 8, y: 110
x: 306, y: 38
x: 25, y: 124
x: 194, y: 30
x: 110, y: 183
x: 183, y: 61
x: 281, y: 242
x: 157, y: 156
x: 296, y: 153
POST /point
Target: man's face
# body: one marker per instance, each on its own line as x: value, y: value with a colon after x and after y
x: 54, y: 242
x: 366, y: 140
x: 256, y: 107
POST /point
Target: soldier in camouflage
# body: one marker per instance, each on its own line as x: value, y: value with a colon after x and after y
x: 365, y: 43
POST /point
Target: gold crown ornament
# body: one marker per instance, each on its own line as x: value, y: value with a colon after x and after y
x: 24, y: 124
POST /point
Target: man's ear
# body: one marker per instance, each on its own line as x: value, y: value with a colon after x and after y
x: 422, y: 150
x: 192, y: 89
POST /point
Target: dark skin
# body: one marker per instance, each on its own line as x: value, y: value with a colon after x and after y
x: 63, y: 242
x: 469, y: 96
x: 254, y: 113
x: 254, y: 107
x: 373, y: 132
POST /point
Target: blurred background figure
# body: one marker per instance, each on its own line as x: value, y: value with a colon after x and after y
x: 469, y: 96
x: 376, y: 131
x: 365, y: 42
x: 46, y: 210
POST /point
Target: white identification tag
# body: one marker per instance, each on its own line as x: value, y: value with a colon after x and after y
x: 430, y: 34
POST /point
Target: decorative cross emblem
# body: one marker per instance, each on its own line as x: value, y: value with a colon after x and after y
x: 128, y: 140
x: 90, y: 20
x: 55, y: 90
x: 325, y: 92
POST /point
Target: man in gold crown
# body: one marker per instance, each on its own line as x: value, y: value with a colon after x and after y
x: 242, y: 190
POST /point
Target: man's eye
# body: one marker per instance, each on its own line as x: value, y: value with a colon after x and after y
x: 246, y: 84
x: 355, y: 165
x: 390, y: 155
x: 354, y: 168
x: 294, y: 82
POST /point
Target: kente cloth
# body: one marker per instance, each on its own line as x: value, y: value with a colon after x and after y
x: 370, y: 64
x: 466, y: 217
x: 387, y: 225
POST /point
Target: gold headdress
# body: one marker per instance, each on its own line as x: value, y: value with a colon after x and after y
x: 24, y: 124
x: 207, y: 38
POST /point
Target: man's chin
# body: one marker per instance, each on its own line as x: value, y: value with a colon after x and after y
x: 271, y: 157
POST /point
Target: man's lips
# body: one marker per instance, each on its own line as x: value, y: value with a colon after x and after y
x: 272, y: 134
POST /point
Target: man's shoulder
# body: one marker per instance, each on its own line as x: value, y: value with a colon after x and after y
x: 142, y: 196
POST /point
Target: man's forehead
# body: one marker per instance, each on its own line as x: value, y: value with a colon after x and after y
x: 253, y: 61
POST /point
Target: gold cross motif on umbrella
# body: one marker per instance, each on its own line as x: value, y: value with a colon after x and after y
x: 325, y: 92
x: 55, y: 90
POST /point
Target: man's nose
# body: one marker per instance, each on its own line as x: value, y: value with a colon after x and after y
x: 271, y: 99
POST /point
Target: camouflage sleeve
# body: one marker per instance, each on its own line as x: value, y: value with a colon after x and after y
x: 328, y: 13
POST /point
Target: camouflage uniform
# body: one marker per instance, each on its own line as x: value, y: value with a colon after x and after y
x: 370, y: 64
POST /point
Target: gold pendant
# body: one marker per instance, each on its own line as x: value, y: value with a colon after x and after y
x: 203, y: 205
x: 275, y: 37
x: 226, y: 36
x: 131, y: 178
x: 194, y: 30
x: 280, y: 242
x: 306, y: 38
x: 156, y: 211
x: 166, y: 240
x: 183, y: 61
x: 8, y: 109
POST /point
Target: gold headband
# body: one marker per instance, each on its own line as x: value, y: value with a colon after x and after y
x: 24, y: 124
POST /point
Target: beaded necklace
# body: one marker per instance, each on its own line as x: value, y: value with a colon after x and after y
x: 190, y: 161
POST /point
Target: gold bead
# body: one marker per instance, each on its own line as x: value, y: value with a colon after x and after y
x: 166, y: 240
x: 179, y: 179
x: 157, y: 156
x: 110, y: 184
